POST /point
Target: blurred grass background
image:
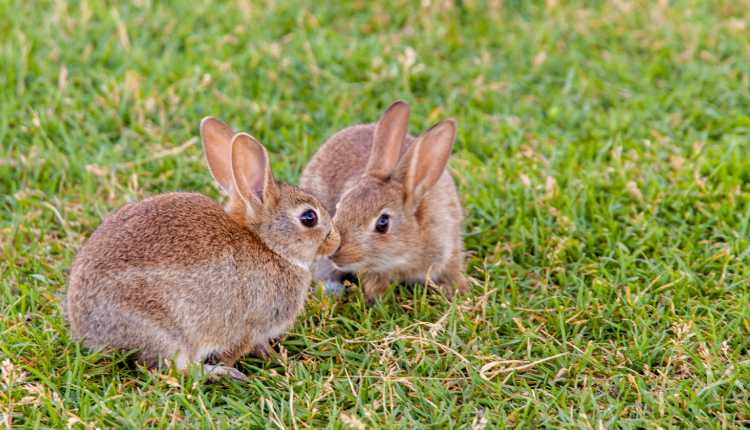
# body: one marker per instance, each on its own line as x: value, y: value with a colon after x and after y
x: 602, y: 158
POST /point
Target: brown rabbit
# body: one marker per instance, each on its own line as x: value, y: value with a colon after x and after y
x: 177, y: 276
x: 393, y: 202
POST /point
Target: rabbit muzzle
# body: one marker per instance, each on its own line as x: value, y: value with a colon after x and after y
x: 348, y: 256
x: 330, y: 243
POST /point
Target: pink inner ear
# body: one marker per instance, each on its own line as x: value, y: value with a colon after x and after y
x: 429, y: 158
x: 388, y: 139
x: 432, y: 161
x: 217, y: 145
x: 249, y: 162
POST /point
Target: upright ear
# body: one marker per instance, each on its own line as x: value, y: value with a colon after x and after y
x: 424, y: 163
x: 217, y: 145
x: 388, y: 139
x: 251, y: 171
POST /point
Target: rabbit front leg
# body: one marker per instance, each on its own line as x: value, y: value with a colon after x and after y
x: 225, y: 366
x: 453, y: 284
x: 333, y: 280
x: 374, y: 286
x: 453, y: 281
x: 262, y: 350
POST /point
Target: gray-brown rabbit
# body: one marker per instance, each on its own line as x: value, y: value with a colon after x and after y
x: 393, y: 202
x: 177, y: 276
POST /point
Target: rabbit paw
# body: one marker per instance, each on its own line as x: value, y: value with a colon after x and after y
x: 374, y: 286
x: 216, y: 372
x: 334, y: 288
x: 453, y: 286
x: 262, y: 351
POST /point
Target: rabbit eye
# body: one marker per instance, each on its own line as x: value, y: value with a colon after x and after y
x: 381, y: 225
x: 309, y: 218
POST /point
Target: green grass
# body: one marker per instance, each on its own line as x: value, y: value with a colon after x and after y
x: 603, y: 160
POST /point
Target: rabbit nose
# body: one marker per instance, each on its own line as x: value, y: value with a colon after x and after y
x: 338, y: 244
x: 331, y: 243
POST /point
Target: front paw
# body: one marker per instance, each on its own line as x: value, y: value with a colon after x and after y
x: 454, y: 286
x: 333, y: 288
x: 262, y: 351
x: 374, y: 287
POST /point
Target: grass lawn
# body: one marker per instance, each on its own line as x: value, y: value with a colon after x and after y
x: 603, y: 157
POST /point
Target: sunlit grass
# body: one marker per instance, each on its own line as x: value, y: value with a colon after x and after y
x: 602, y: 158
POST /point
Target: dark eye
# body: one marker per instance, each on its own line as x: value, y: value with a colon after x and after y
x: 381, y: 225
x: 309, y: 218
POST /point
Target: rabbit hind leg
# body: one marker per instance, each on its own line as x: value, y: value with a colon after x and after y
x: 108, y: 326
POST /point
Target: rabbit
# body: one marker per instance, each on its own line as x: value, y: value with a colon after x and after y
x: 178, y: 276
x: 394, y: 204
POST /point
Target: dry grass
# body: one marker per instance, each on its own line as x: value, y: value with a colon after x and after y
x: 602, y: 159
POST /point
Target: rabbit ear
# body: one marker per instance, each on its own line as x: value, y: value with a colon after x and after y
x: 388, y: 139
x: 217, y: 145
x: 251, y: 170
x: 424, y: 163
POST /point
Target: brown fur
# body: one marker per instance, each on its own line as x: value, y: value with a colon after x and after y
x: 178, y: 276
x: 356, y: 175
